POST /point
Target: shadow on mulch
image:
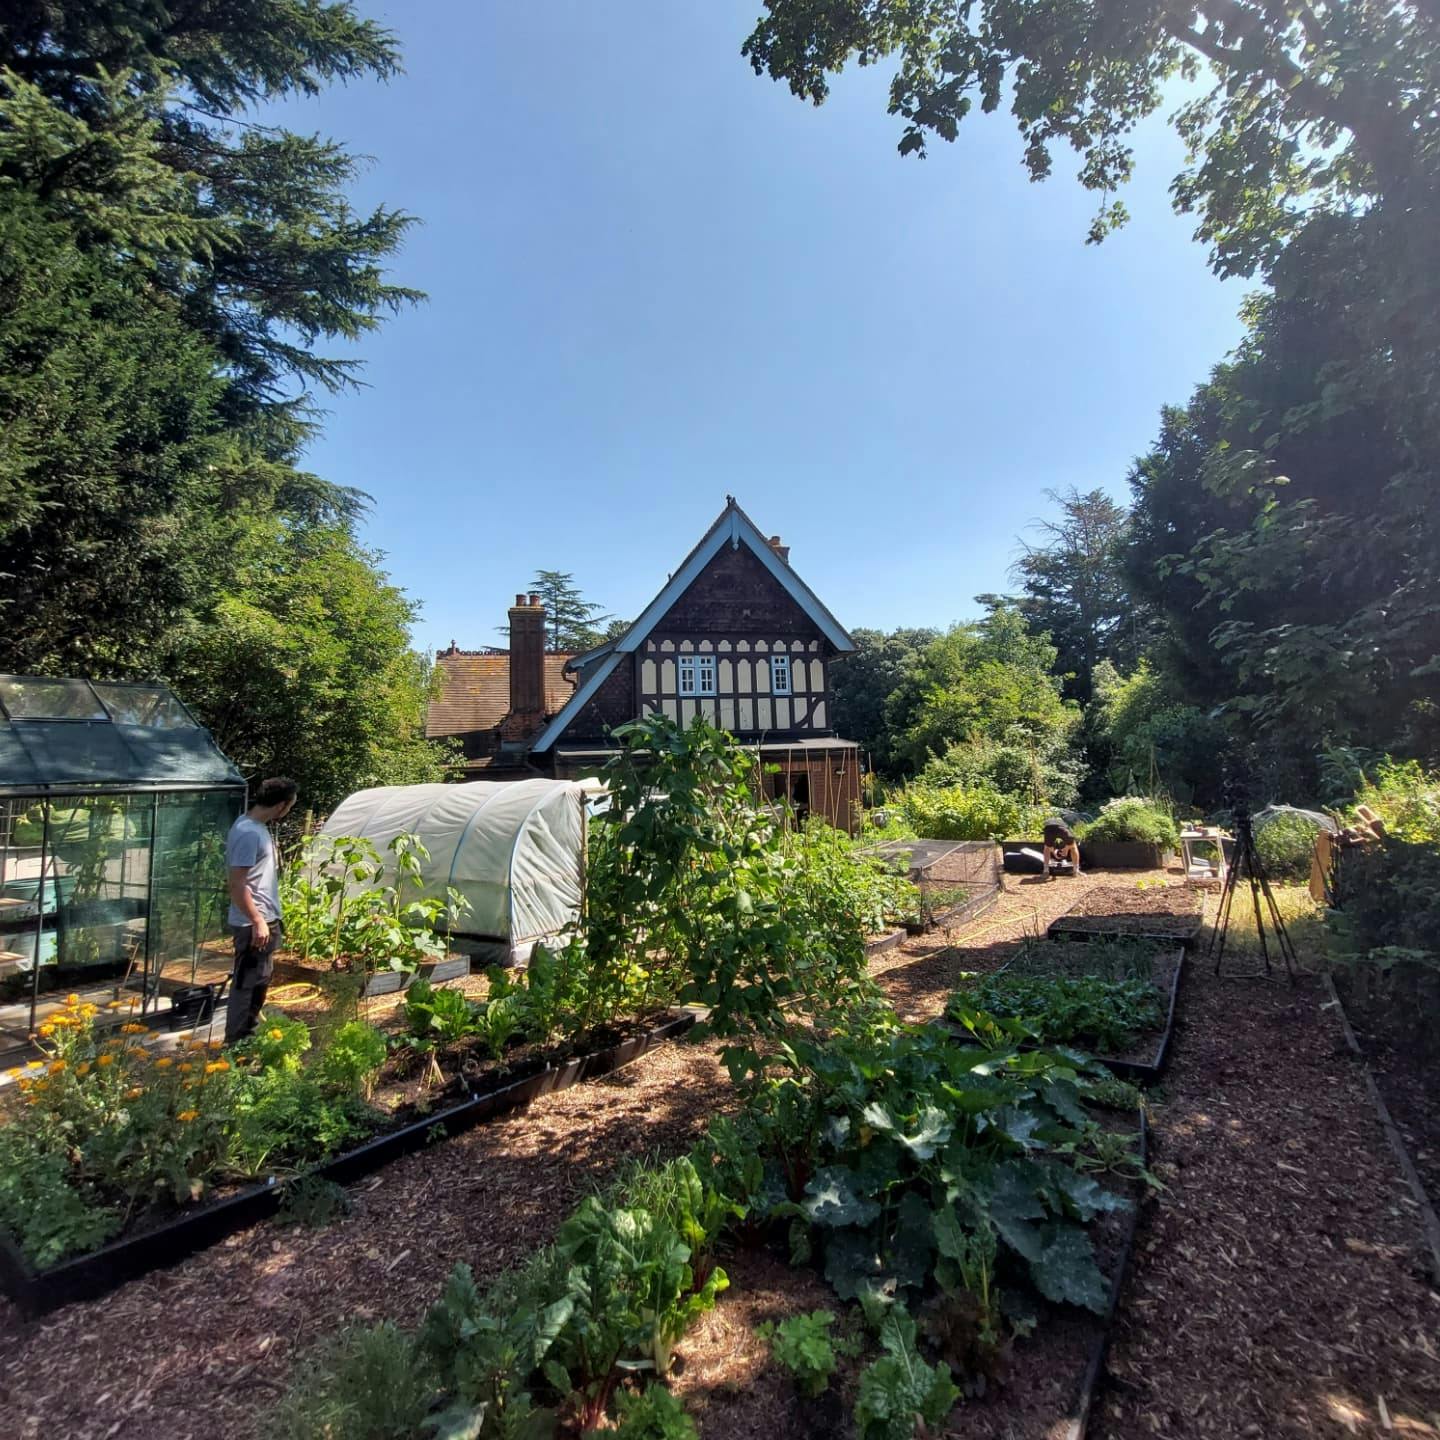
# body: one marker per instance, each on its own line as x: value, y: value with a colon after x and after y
x: 1279, y: 1286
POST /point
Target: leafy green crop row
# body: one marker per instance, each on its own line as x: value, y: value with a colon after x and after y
x: 1097, y: 1012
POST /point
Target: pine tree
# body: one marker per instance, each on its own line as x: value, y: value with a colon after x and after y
x: 572, y: 622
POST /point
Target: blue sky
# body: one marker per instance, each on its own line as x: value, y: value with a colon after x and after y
x: 656, y: 278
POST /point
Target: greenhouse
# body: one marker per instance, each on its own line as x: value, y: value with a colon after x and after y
x: 514, y: 850
x: 114, y: 803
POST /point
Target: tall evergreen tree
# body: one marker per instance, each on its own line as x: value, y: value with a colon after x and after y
x: 572, y: 622
x: 1076, y: 591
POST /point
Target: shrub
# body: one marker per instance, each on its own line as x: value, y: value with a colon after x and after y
x: 1285, y: 845
x: 1407, y: 798
x: 1134, y: 818
x: 980, y: 812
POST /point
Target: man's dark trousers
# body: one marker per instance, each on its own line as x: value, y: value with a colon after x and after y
x: 254, y: 965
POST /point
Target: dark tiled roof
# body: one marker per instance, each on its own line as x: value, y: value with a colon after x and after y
x: 476, y: 691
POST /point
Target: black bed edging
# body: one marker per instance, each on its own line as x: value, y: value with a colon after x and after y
x: 1077, y: 1422
x: 86, y: 1276
x: 1060, y: 930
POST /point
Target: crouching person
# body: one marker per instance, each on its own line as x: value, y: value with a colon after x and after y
x: 254, y: 903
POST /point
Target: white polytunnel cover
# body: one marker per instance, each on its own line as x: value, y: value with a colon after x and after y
x: 515, y: 850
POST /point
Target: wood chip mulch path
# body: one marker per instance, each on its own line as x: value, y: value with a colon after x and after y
x: 198, y: 1352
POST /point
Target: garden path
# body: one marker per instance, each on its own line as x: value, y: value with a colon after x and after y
x: 203, y: 1349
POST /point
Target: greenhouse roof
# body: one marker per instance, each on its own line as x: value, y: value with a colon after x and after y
x: 67, y: 734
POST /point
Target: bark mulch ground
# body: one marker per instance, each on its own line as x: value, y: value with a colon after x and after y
x: 1279, y: 1287
x: 202, y: 1349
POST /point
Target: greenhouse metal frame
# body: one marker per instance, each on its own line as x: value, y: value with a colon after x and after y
x: 114, y: 805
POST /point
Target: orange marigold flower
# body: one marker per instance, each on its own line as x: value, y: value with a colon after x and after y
x: 114, y: 1004
x: 83, y: 1068
x: 134, y: 1092
x: 46, y: 1031
x: 72, y: 999
x: 104, y: 1059
x: 217, y: 1067
x: 164, y: 1063
x: 217, y: 1044
x: 88, y: 1011
x: 55, y: 1067
x: 131, y: 1028
x: 187, y: 1115
x: 186, y: 1068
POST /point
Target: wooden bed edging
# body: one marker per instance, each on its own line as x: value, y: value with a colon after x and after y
x: 1429, y: 1222
x: 83, y: 1277
x: 1077, y: 1422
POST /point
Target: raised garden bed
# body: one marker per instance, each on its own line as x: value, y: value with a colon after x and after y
x: 1144, y: 1060
x: 85, y: 1276
x: 732, y: 1387
x: 1172, y: 913
x: 879, y: 944
x: 1124, y: 855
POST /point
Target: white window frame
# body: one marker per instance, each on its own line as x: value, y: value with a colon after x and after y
x: 697, y: 674
x: 780, y: 675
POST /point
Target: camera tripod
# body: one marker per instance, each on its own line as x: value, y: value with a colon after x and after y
x: 1247, y: 863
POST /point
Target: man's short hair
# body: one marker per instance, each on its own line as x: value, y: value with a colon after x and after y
x: 275, y: 791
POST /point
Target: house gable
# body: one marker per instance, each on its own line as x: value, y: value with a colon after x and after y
x: 733, y: 589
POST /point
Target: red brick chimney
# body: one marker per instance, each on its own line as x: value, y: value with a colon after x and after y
x: 783, y: 551
x: 527, y: 659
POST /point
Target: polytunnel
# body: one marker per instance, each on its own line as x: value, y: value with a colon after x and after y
x: 514, y: 849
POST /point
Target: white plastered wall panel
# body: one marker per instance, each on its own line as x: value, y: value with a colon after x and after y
x: 513, y: 849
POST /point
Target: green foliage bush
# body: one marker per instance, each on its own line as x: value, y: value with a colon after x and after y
x: 1285, y: 846
x: 1133, y: 818
x: 979, y: 813
x: 1407, y: 797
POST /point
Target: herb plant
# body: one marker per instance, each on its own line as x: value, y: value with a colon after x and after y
x: 804, y: 1345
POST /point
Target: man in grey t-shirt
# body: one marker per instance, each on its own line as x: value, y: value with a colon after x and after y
x: 254, y: 903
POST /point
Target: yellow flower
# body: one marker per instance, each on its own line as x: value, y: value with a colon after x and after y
x: 72, y: 1000
x: 34, y: 1064
x: 13, y: 1071
x: 130, y: 1028
x: 217, y: 1067
x: 55, y: 1067
x: 114, y: 1004
x: 164, y: 1063
x: 276, y: 1034
x: 83, y: 1068
x: 196, y: 1046
x: 89, y: 1011
x: 104, y: 1059
x: 46, y: 1031
x: 187, y: 1115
